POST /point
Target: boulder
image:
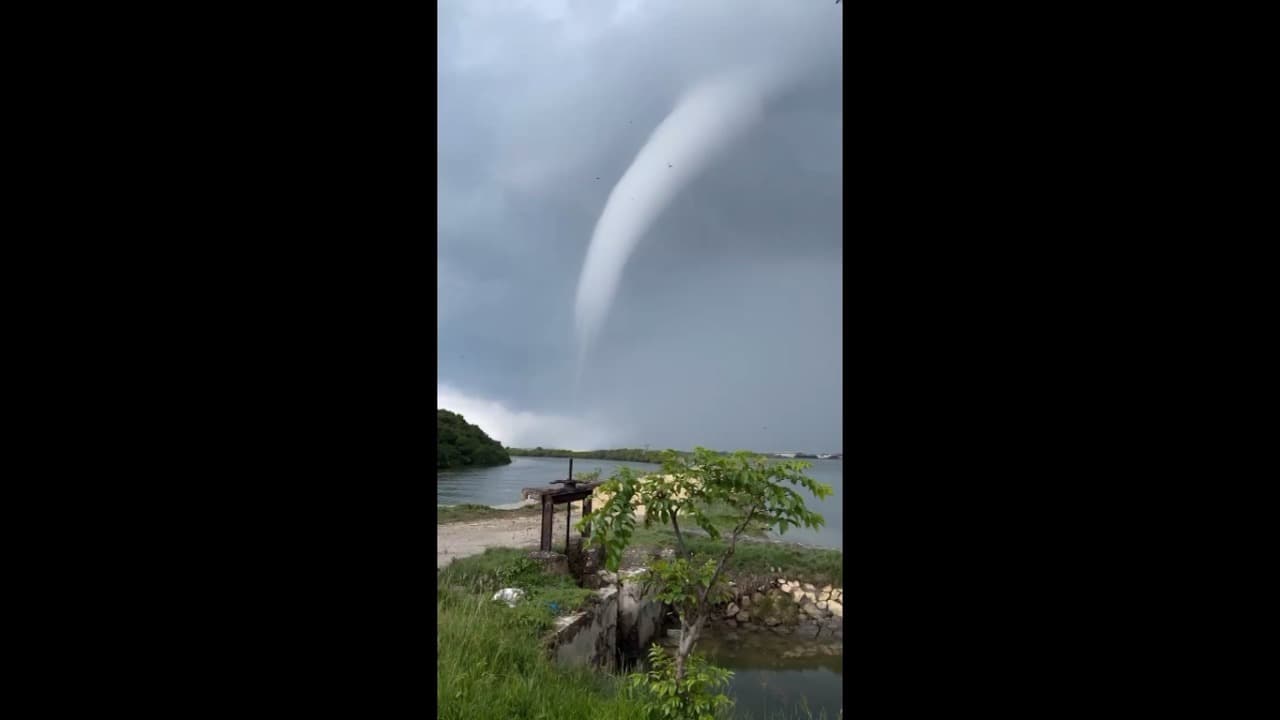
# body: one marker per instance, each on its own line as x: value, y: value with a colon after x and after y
x: 809, y: 587
x: 811, y: 610
x: 746, y: 601
x: 732, y: 610
x: 822, y: 604
x: 836, y: 608
x: 743, y: 616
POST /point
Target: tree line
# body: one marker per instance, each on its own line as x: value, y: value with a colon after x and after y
x: 623, y: 454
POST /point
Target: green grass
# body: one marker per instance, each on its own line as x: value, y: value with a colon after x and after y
x: 492, y: 661
x: 752, y: 560
x: 466, y: 512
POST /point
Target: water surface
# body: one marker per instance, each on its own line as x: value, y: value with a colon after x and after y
x: 500, y: 486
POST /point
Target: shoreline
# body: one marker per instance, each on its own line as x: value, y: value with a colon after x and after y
x: 472, y: 534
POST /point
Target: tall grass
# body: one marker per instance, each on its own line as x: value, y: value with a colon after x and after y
x: 492, y: 660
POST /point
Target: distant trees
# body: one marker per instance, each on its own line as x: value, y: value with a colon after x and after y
x: 461, y: 444
x: 621, y: 454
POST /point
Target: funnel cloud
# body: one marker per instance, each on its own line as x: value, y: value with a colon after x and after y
x: 707, y: 120
x: 640, y: 221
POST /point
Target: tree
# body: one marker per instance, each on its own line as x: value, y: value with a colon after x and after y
x: 755, y: 489
x: 461, y: 444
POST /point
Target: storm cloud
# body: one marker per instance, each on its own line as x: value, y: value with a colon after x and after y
x: 725, y: 329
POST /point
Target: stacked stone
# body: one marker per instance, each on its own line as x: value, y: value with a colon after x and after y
x: 788, y: 606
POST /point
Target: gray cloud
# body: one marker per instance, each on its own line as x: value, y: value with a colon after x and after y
x: 728, y: 317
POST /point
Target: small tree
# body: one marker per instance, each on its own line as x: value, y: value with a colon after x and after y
x: 753, y: 488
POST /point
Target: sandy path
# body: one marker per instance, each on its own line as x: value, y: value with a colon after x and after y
x: 460, y: 539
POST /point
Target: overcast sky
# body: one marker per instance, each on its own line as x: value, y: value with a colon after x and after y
x: 726, y: 327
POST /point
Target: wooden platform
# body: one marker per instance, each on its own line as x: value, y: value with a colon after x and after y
x: 552, y: 496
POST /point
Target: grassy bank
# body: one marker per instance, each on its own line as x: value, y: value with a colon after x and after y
x: 491, y: 661
x: 465, y: 512
x: 753, y: 559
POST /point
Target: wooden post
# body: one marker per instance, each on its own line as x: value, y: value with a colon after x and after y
x: 586, y: 510
x: 568, y: 522
x: 547, y: 510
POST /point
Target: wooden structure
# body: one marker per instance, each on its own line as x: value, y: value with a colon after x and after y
x: 571, y: 491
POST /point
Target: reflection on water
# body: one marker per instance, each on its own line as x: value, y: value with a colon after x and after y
x: 778, y: 676
x: 770, y: 694
x: 775, y: 676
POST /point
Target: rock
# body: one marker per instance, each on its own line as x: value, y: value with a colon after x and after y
x: 822, y: 604
x: 824, y: 595
x: 772, y: 620
x: 826, y: 589
x: 731, y: 623
x: 673, y: 634
x: 809, y: 587
x: 509, y: 596
x: 732, y: 610
x: 836, y: 608
x: 743, y: 616
x: 812, y: 610
x: 746, y: 601
x: 797, y: 595
x: 757, y: 598
x: 608, y: 578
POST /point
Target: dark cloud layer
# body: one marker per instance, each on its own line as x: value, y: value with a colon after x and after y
x: 726, y: 330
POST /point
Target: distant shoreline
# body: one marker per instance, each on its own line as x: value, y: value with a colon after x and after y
x: 648, y: 456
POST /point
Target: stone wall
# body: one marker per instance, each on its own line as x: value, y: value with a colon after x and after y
x: 589, y: 637
x: 639, y: 614
x: 787, y: 607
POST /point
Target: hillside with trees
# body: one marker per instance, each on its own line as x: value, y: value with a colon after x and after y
x: 459, y: 444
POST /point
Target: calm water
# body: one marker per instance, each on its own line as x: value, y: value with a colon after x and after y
x: 501, y: 486
x: 773, y: 677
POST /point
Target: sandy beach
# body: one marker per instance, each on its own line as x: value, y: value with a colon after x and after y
x: 460, y: 539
